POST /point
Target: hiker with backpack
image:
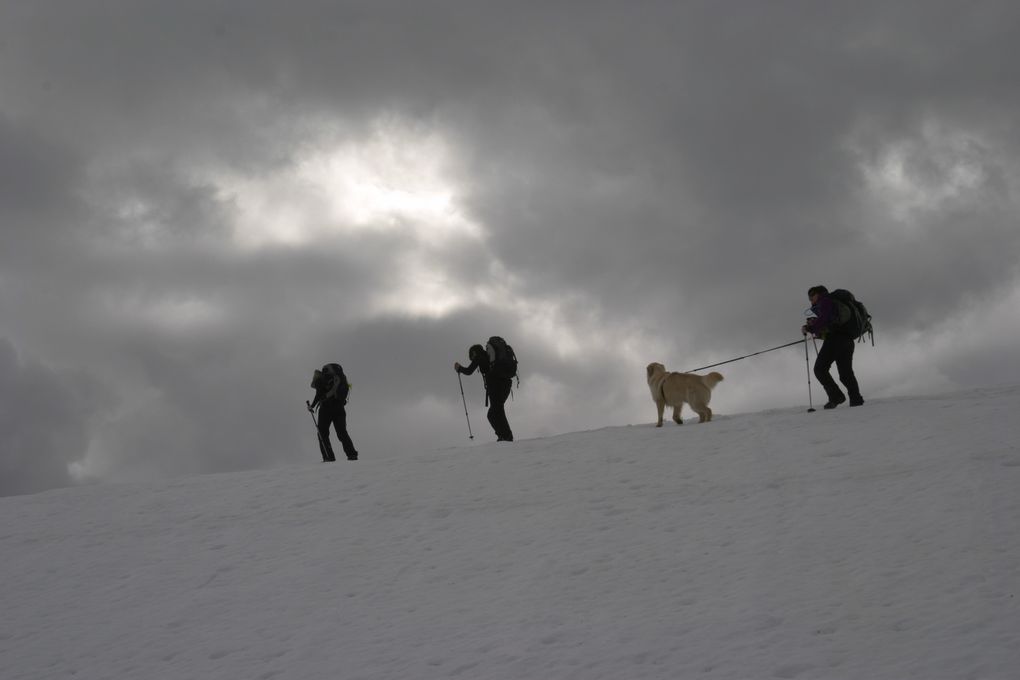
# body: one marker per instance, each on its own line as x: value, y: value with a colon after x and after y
x: 840, y: 320
x: 331, y: 392
x: 498, y: 366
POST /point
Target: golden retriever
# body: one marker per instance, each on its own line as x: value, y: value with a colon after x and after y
x: 674, y: 389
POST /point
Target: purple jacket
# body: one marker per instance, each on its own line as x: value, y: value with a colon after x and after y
x: 826, y: 316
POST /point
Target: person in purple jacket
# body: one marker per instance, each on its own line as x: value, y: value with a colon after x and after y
x: 837, y: 347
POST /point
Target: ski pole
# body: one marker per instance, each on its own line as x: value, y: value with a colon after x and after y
x: 807, y: 364
x: 322, y: 444
x: 470, y: 435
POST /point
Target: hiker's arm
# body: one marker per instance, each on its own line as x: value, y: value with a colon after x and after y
x: 466, y: 371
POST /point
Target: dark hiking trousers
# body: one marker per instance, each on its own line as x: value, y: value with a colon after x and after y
x: 498, y: 391
x: 838, y: 349
x: 333, y: 413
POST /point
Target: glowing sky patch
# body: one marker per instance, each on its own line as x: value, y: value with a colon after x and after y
x: 395, y: 181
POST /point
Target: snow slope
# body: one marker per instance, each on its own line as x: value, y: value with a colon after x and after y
x: 878, y: 542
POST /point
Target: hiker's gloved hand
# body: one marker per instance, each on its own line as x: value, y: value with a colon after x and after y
x: 311, y: 409
x: 456, y: 365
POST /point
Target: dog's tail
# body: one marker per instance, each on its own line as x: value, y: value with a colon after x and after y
x: 712, y: 379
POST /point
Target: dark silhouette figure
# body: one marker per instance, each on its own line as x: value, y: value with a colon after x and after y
x: 497, y: 391
x: 837, y: 347
x: 331, y: 391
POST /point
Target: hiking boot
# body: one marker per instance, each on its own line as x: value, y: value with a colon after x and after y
x: 856, y: 401
x: 833, y: 403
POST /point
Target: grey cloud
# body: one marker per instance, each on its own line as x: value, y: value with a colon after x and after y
x: 45, y: 421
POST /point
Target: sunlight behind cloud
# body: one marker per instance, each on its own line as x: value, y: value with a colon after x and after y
x: 398, y: 180
x: 397, y: 183
x: 423, y: 289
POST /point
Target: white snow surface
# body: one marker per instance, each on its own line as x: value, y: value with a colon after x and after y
x: 875, y: 542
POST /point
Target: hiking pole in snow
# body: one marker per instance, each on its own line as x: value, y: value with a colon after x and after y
x: 470, y: 436
x: 322, y: 444
x: 807, y: 363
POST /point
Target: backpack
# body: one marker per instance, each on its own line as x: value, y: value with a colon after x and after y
x: 335, y: 382
x: 854, y: 319
x: 502, y: 358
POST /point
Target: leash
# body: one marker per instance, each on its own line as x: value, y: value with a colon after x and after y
x: 730, y: 361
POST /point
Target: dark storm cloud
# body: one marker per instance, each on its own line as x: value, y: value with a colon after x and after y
x: 659, y: 181
x: 743, y: 161
x: 33, y: 174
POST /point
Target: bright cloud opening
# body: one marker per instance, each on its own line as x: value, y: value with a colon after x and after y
x: 424, y: 289
x: 398, y: 180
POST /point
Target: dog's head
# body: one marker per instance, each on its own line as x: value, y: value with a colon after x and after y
x: 655, y: 369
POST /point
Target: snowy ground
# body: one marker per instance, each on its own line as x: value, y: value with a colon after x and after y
x: 878, y: 542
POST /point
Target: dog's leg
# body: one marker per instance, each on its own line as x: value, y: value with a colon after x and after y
x: 660, y: 405
x: 676, y: 414
x: 701, y: 395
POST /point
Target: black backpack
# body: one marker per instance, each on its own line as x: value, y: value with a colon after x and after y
x: 502, y: 359
x: 854, y: 319
x: 335, y: 382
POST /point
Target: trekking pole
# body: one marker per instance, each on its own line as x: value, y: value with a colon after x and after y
x: 730, y: 361
x: 807, y: 364
x: 470, y: 436
x: 322, y: 444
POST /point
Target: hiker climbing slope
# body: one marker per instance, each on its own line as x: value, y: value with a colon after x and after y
x: 498, y: 366
x: 838, y: 323
x: 331, y: 391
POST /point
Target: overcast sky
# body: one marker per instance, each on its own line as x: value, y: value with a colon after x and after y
x: 202, y: 202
